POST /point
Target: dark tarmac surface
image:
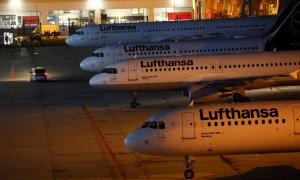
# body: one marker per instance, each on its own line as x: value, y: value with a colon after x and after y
x: 64, y: 129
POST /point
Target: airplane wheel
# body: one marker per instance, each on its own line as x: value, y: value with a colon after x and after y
x: 246, y: 99
x: 237, y: 97
x: 133, y: 104
x: 188, y: 174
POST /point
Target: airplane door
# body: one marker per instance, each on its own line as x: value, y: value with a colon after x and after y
x: 213, y: 68
x: 188, y: 125
x: 132, y: 71
x: 297, y: 120
x: 216, y: 68
x: 220, y: 67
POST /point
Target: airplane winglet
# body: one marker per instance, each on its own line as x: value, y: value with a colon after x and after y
x: 296, y: 74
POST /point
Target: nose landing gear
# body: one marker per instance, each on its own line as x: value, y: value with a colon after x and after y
x: 134, y: 103
x: 189, y: 173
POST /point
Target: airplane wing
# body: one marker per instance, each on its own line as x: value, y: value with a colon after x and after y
x: 199, y: 37
x: 217, y: 85
x: 188, y: 38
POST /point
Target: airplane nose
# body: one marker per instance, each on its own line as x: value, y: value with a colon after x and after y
x: 73, y: 40
x: 86, y: 65
x: 96, y: 80
x: 69, y: 41
x: 90, y: 64
x: 131, y: 142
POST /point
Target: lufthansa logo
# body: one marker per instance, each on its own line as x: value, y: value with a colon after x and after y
x: 295, y: 22
x: 113, y: 78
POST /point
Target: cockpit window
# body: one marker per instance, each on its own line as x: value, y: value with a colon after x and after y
x: 98, y: 54
x: 161, y: 125
x: 79, y: 32
x: 146, y: 124
x: 153, y: 125
x: 109, y: 71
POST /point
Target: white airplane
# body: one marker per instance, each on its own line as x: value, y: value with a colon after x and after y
x: 202, y: 78
x: 110, y: 54
x: 219, y: 129
x: 110, y: 34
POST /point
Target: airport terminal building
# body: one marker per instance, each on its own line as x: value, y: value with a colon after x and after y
x: 60, y: 15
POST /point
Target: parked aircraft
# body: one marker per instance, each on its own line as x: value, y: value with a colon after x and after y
x: 202, y: 78
x: 110, y: 34
x: 219, y: 129
x: 111, y: 54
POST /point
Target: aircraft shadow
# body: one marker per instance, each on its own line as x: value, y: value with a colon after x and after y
x: 269, y: 172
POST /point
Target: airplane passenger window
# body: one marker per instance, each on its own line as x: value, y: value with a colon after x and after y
x: 146, y: 124
x: 276, y: 121
x: 161, y: 125
x: 229, y: 123
x: 263, y: 121
x: 270, y: 121
x: 209, y: 124
x: 153, y: 125
x: 283, y: 120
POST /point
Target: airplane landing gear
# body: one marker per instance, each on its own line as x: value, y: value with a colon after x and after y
x: 237, y: 97
x: 134, y: 103
x: 189, y: 173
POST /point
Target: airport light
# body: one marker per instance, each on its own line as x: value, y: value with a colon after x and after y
x: 94, y: 4
x: 15, y: 4
x: 178, y: 3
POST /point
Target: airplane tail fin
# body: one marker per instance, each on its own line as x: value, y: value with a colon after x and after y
x: 285, y: 34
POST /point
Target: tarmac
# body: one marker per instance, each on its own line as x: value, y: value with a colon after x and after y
x: 64, y: 129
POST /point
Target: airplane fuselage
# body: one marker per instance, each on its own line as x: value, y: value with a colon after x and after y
x: 111, y: 54
x: 216, y: 129
x: 110, y: 34
x: 167, y: 73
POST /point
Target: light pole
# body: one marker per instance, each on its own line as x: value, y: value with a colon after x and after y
x: 174, y: 5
